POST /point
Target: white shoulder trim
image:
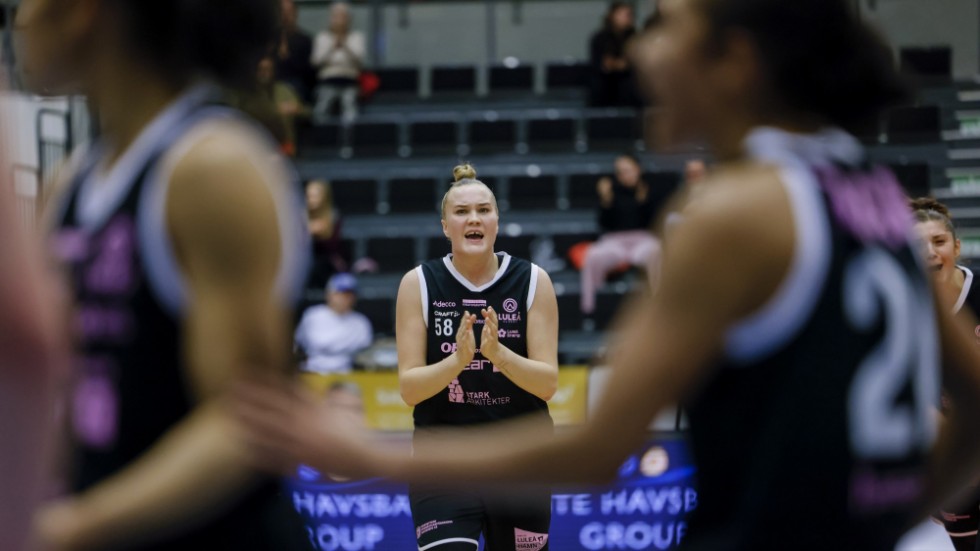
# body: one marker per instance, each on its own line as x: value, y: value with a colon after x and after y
x: 163, y: 271
x: 967, y: 283
x: 450, y: 540
x: 501, y: 270
x: 424, y: 294
x: 533, y: 287
x: 784, y: 315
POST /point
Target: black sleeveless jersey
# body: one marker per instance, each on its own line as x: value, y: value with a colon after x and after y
x: 129, y: 387
x: 969, y: 299
x: 814, y: 431
x: 481, y: 393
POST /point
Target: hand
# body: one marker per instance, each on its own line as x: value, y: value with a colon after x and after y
x: 490, y: 345
x: 288, y: 108
x: 283, y: 47
x: 465, y: 339
x: 56, y: 526
x: 285, y: 426
x: 604, y: 187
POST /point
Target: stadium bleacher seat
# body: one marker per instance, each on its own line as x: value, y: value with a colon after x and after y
x: 456, y: 79
x: 398, y: 80
x: 613, y: 133
x: 518, y: 245
x: 433, y: 138
x: 582, y: 192
x: 412, y: 195
x: 914, y: 178
x: 511, y: 79
x: 494, y: 136
x: 914, y: 124
x: 532, y: 193
x: 381, y: 312
x: 393, y: 254
x: 558, y: 134
x: 928, y: 65
x: 566, y: 75
x: 375, y: 138
x: 355, y: 196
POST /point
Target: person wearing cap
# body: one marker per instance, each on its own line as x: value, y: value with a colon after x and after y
x: 331, y: 334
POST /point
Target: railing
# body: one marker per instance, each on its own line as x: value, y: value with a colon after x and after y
x: 27, y: 194
x: 52, y: 152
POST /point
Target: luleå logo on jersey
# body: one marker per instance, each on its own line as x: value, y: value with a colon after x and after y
x: 480, y: 303
x: 443, y: 304
x: 456, y: 394
x: 529, y: 541
x: 510, y: 305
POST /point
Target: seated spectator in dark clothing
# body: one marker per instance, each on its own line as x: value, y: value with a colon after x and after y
x: 293, y: 55
x: 626, y: 211
x: 612, y: 81
x: 283, y: 98
x: 324, y: 224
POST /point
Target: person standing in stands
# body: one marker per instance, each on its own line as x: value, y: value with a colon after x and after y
x: 477, y: 337
x: 331, y: 334
x: 338, y: 56
x: 179, y: 231
x: 626, y: 211
x: 612, y: 81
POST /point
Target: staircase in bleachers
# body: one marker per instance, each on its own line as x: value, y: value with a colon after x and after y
x: 541, y: 150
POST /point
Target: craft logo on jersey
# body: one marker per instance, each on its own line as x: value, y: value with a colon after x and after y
x: 529, y: 541
x: 510, y: 305
x: 481, y: 303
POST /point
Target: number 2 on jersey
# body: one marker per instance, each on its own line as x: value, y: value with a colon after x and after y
x: 878, y: 289
x: 444, y: 327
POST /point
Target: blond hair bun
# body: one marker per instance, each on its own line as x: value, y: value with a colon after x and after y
x: 464, y: 172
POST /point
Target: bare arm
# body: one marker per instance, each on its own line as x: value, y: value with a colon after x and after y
x: 417, y: 380
x: 538, y: 372
x: 957, y: 453
x: 229, y: 252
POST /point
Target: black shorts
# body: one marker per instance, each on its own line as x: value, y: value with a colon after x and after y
x: 454, y: 522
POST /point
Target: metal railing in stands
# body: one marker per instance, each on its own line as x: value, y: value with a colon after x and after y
x: 26, y: 182
x: 51, y: 153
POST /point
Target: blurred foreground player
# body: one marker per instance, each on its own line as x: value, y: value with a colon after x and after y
x: 958, y: 291
x: 811, y: 367
x: 182, y: 238
x: 33, y: 354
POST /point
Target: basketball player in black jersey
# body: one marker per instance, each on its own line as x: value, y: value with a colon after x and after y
x: 792, y: 316
x: 181, y: 238
x: 477, y: 343
x: 33, y: 355
x: 957, y: 291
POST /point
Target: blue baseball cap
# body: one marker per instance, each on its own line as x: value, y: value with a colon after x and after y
x: 342, y: 283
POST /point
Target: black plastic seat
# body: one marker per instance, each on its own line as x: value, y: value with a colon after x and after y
x: 928, y: 65
x: 492, y: 136
x: 566, y: 75
x: 527, y: 193
x: 393, y: 254
x: 456, y: 79
x: 412, y: 195
x: 613, y: 133
x: 355, y: 196
x: 400, y: 80
x: 381, y: 312
x: 551, y: 134
x: 582, y: 192
x: 919, y: 124
x: 434, y: 138
x: 914, y: 178
x: 518, y: 245
x: 375, y: 138
x: 512, y: 79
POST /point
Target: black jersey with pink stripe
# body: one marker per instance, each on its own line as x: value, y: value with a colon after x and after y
x: 814, y: 431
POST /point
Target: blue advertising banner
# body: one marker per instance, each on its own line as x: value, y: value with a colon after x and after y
x: 646, y: 508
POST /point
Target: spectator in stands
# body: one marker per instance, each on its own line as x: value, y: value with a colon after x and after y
x: 285, y: 101
x: 338, y: 55
x: 331, y: 334
x: 626, y: 212
x: 612, y: 76
x: 324, y: 224
x: 293, y: 54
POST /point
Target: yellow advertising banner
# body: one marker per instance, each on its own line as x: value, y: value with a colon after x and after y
x: 384, y: 409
